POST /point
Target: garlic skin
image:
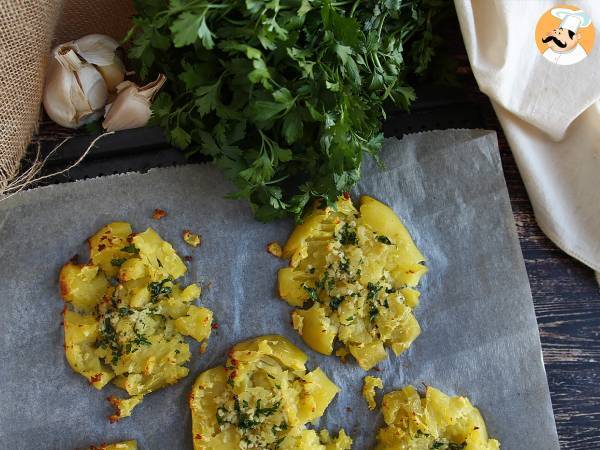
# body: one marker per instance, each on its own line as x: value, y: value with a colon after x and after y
x: 131, y: 108
x: 80, y: 76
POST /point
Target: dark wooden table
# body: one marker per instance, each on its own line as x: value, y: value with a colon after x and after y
x: 565, y: 292
x: 567, y: 304
x: 566, y: 297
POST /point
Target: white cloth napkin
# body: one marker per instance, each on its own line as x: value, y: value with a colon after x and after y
x: 550, y: 114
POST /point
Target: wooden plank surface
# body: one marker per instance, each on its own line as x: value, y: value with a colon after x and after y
x: 567, y: 304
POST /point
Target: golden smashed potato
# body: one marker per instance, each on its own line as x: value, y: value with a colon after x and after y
x: 352, y: 275
x: 262, y: 399
x: 191, y: 239
x: 436, y: 421
x: 126, y: 445
x: 368, y: 390
x: 126, y: 317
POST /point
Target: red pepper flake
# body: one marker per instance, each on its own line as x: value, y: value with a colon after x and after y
x: 215, y: 326
x: 198, y: 436
x: 159, y: 214
x: 115, y: 402
x: 101, y: 247
x: 376, y: 369
x: 188, y: 258
x: 74, y: 259
x: 95, y: 378
x: 347, y: 195
x: 349, y: 409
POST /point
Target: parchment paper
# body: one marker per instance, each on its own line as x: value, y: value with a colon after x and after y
x: 479, y: 338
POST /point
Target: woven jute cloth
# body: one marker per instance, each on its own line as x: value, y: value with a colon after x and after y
x: 25, y: 31
x: 28, y: 30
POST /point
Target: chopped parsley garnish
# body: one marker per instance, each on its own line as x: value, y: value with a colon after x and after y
x: 157, y: 289
x: 277, y: 428
x: 335, y: 302
x: 373, y: 289
x: 124, y: 311
x: 390, y: 290
x: 140, y: 339
x: 266, y: 411
x: 373, y: 312
x: 384, y: 240
x: 347, y: 236
x: 312, y: 293
x: 130, y: 249
x: 349, y: 319
x: 344, y: 266
x: 118, y: 262
x: 108, y: 338
x: 221, y: 412
x: 243, y: 419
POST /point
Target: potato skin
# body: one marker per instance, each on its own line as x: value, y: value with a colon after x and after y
x: 263, y: 395
x: 131, y: 330
x: 352, y: 276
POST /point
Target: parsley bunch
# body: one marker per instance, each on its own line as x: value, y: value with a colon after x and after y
x: 285, y: 96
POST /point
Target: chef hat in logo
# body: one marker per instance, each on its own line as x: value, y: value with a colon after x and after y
x: 572, y: 20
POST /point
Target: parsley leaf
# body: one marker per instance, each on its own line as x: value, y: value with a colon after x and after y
x: 287, y: 98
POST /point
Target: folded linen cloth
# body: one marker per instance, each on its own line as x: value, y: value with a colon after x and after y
x: 549, y: 112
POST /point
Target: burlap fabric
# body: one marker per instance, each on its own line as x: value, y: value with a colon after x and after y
x: 28, y: 30
x: 25, y: 30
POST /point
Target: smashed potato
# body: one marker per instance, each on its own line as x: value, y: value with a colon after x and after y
x: 436, y: 421
x: 125, y: 316
x: 127, y: 445
x: 368, y: 390
x: 352, y: 275
x: 262, y: 398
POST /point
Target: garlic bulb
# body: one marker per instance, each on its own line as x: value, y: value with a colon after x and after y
x: 131, y: 108
x: 80, y: 75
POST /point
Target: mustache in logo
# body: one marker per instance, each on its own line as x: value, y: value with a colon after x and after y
x: 556, y: 41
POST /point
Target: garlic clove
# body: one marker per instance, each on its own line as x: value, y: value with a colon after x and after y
x: 100, y: 50
x: 57, y: 95
x: 127, y: 111
x: 93, y: 86
x: 78, y: 99
x: 97, y: 49
x: 113, y: 74
x: 131, y: 108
